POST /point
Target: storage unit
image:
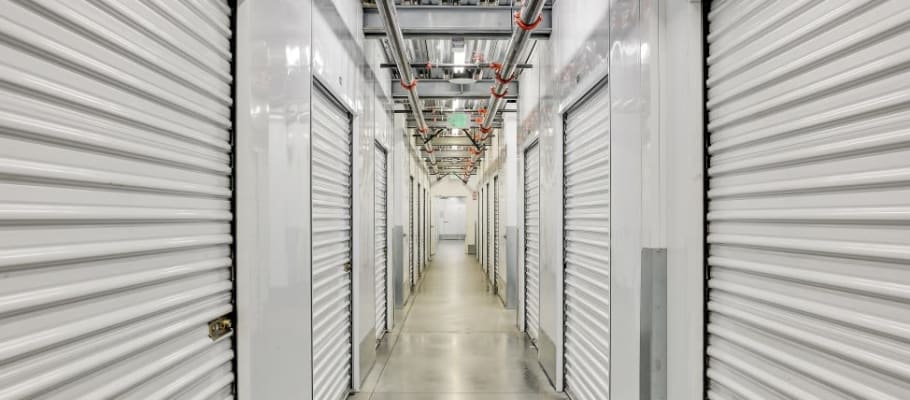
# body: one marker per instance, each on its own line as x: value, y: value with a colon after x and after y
x: 808, y: 200
x: 422, y: 231
x: 412, y: 271
x: 488, y: 236
x: 532, y: 241
x: 380, y: 240
x: 428, y: 236
x: 115, y: 200
x: 499, y: 280
x: 481, y: 205
x: 586, y: 195
x: 331, y: 246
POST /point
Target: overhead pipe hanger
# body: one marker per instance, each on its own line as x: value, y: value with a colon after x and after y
x: 408, y: 81
x: 526, y: 20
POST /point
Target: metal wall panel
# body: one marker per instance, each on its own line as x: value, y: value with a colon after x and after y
x: 380, y: 240
x: 532, y: 240
x: 809, y: 200
x: 115, y: 199
x: 332, y: 233
x: 586, y: 194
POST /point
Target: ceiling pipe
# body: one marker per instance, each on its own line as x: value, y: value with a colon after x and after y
x: 526, y: 20
x: 408, y: 81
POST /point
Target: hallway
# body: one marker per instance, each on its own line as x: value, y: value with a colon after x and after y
x: 456, y: 342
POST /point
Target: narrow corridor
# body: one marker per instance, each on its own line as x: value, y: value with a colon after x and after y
x: 456, y: 342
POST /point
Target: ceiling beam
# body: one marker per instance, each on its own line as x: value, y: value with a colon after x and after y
x: 451, y: 66
x: 443, y: 124
x: 440, y: 89
x: 452, y: 141
x: 428, y: 114
x: 444, y: 22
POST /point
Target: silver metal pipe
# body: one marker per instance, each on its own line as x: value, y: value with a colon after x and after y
x: 517, y: 44
x: 399, y: 53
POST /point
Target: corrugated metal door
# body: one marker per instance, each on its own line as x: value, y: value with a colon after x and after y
x: 809, y: 200
x: 331, y: 190
x: 115, y: 199
x: 380, y: 241
x: 412, y: 272
x: 421, y: 230
x: 428, y: 233
x: 483, y: 237
x: 532, y: 240
x: 488, y: 250
x: 587, y: 247
x: 498, y: 274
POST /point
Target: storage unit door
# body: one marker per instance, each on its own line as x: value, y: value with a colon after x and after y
x: 115, y: 199
x: 499, y: 269
x: 532, y: 241
x: 483, y: 233
x: 331, y: 190
x: 380, y: 241
x: 421, y: 232
x: 486, y: 237
x: 412, y: 273
x: 809, y: 200
x: 587, y: 248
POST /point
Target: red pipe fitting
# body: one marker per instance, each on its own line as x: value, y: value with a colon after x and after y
x: 409, y: 86
x: 525, y: 26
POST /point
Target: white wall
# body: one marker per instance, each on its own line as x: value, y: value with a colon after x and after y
x: 450, y: 216
x: 681, y: 128
x: 407, y: 164
x: 281, y: 47
x: 652, y: 51
x: 451, y: 186
x: 272, y: 200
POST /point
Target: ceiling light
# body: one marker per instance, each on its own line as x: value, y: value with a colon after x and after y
x: 458, y: 58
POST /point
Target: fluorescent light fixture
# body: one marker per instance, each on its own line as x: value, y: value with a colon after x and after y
x: 458, y: 58
x: 456, y: 104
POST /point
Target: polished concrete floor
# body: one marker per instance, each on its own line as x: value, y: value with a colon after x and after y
x: 455, y: 341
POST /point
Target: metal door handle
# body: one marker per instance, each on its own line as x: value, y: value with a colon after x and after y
x: 347, y: 267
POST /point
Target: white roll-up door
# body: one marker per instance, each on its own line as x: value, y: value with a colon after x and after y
x: 421, y: 231
x: 483, y: 229
x: 498, y: 267
x: 587, y: 247
x: 532, y: 240
x: 412, y: 272
x: 488, y: 249
x: 380, y: 241
x: 809, y: 200
x: 115, y: 199
x: 331, y: 189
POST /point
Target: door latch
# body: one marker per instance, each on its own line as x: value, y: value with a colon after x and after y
x: 219, y: 327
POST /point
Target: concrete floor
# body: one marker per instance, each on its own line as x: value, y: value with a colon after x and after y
x: 456, y: 341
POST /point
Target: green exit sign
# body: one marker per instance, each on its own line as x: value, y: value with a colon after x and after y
x: 458, y: 120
